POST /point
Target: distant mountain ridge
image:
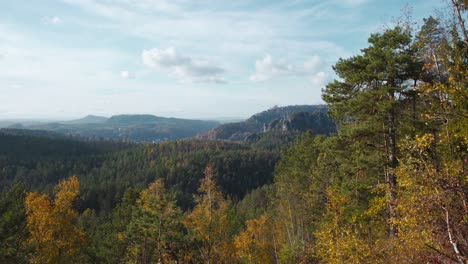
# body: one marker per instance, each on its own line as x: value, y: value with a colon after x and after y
x: 288, y: 118
x: 89, y: 119
x: 137, y: 128
x: 151, y: 128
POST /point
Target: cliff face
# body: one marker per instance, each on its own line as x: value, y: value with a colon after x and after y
x: 317, y: 122
x: 290, y: 118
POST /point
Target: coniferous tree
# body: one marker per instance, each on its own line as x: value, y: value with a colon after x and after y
x: 154, y: 233
x: 367, y: 101
x: 13, y: 230
x: 109, y: 242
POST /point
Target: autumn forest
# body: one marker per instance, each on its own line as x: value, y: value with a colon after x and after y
x: 387, y: 182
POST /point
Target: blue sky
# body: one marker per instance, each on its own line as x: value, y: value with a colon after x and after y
x: 181, y: 58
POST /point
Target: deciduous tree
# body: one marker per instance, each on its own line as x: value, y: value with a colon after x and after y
x: 51, y: 223
x: 207, y: 224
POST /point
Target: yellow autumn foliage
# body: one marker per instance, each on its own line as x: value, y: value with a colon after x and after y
x: 53, y: 234
x: 254, y: 244
x: 207, y: 223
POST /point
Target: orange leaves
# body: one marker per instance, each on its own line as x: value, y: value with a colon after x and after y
x: 66, y: 192
x: 39, y: 220
x: 51, y: 224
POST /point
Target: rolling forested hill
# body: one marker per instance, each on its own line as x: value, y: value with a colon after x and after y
x: 106, y: 168
x: 136, y: 128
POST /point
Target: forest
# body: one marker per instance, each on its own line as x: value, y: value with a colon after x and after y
x: 136, y: 128
x: 388, y: 184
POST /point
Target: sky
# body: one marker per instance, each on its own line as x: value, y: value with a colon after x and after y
x: 179, y: 58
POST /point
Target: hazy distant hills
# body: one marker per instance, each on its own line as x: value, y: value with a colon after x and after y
x: 297, y: 118
x: 150, y: 128
x: 138, y: 128
x: 18, y: 123
x: 89, y: 119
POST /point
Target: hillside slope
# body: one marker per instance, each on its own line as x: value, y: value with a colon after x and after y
x: 136, y: 128
x: 298, y: 118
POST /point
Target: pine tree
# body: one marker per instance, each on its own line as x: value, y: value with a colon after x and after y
x: 367, y: 102
x: 154, y: 231
x: 109, y: 242
x: 13, y: 230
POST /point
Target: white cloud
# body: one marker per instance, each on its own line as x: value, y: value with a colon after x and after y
x: 54, y: 20
x: 237, y: 33
x: 270, y: 68
x: 126, y: 75
x: 314, y: 64
x: 319, y: 79
x: 160, y: 58
x: 16, y: 86
x: 183, y: 68
x: 314, y: 69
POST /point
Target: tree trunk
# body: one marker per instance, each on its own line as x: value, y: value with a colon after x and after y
x: 391, y: 178
x: 456, y: 7
x: 451, y: 239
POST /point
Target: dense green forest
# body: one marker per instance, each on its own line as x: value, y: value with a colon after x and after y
x: 390, y: 186
x: 106, y: 169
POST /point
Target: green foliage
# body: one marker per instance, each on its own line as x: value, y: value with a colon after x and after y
x: 107, y: 169
x: 154, y: 233
x: 108, y: 243
x: 299, y: 198
x: 274, y: 140
x: 13, y: 230
x: 397, y: 89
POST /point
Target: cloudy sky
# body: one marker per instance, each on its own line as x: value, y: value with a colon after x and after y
x: 181, y: 58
